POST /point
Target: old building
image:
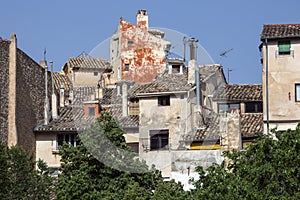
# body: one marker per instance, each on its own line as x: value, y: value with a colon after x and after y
x: 22, y: 88
x: 280, y: 49
x: 85, y: 70
x: 137, y: 53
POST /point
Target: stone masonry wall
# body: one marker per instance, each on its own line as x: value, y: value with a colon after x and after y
x: 30, y: 99
x: 4, y: 47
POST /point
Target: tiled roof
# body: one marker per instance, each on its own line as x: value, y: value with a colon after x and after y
x: 251, y: 125
x: 165, y: 83
x: 207, y: 71
x: 110, y: 97
x: 71, y: 118
x: 171, y: 82
x: 280, y: 31
x: 61, y: 79
x: 88, y: 63
x: 131, y: 121
x: 244, y: 92
x: 82, y: 94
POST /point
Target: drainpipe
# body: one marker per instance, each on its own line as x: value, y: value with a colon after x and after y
x: 267, y: 84
x: 198, y: 91
x: 193, y: 56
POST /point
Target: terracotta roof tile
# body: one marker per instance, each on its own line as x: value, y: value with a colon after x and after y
x: 61, y: 79
x: 251, y: 126
x: 71, y: 118
x: 280, y: 31
x: 244, y: 92
x: 88, y: 63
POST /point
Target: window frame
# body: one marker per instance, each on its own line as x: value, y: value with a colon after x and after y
x: 281, y: 50
x: 297, y: 85
x: 126, y: 67
x: 164, y: 100
x: 159, y: 140
x: 92, y: 111
x: 69, y: 138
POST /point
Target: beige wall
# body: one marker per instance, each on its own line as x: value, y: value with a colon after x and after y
x: 154, y: 117
x: 86, y: 78
x: 283, y: 72
x: 46, y: 149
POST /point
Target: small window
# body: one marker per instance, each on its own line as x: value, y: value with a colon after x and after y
x: 92, y: 111
x: 253, y: 107
x: 297, y: 92
x: 129, y: 43
x: 95, y: 73
x: 228, y: 107
x: 175, y: 69
x: 66, y: 138
x: 134, y: 146
x: 284, y: 47
x: 164, y: 101
x: 126, y: 67
x: 159, y: 140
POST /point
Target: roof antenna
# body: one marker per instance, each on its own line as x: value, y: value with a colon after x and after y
x: 45, y: 52
x: 224, y: 54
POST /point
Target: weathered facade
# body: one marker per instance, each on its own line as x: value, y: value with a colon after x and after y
x: 280, y: 75
x: 22, y: 88
x: 137, y: 53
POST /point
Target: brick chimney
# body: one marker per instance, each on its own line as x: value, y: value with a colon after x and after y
x: 142, y: 19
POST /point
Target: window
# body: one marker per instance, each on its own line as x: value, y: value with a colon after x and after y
x: 69, y: 138
x: 228, y: 107
x: 159, y: 140
x: 126, y: 67
x: 134, y: 146
x: 297, y: 92
x: 95, y: 73
x: 284, y: 47
x: 164, y: 101
x: 253, y: 107
x: 175, y: 69
x: 129, y: 43
x: 92, y: 111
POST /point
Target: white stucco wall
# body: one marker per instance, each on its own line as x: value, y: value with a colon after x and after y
x: 46, y: 149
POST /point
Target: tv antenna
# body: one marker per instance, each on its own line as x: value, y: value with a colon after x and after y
x: 224, y: 54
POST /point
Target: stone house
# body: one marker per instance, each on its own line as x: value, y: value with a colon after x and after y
x: 137, y: 53
x: 22, y: 101
x: 280, y: 50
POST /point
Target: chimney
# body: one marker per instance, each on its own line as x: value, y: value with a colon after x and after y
x: 124, y: 100
x: 191, y: 71
x: 193, y: 49
x: 54, y: 106
x: 142, y: 19
x: 62, y: 96
x: 169, y: 69
x: 12, y: 87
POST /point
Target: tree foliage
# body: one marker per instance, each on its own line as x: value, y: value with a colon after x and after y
x: 268, y: 169
x: 18, y: 177
x: 85, y: 176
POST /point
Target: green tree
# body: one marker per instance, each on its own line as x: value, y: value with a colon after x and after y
x: 268, y: 169
x: 18, y: 177
x: 85, y: 176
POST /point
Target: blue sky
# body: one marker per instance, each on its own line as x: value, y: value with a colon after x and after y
x: 68, y: 27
